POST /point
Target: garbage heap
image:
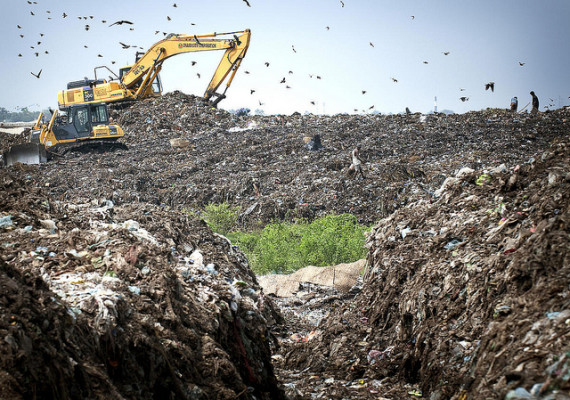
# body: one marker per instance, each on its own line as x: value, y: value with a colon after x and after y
x: 464, y: 297
x: 106, y: 301
x: 184, y: 154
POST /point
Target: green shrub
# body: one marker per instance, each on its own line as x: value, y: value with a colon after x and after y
x: 221, y: 218
x: 284, y: 247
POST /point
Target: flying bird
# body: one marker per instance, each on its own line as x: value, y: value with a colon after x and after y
x: 293, y: 47
x: 260, y: 103
x: 20, y: 55
x: 282, y: 80
x: 318, y: 77
x: 121, y: 23
x: 394, y: 80
x: 247, y: 72
x: 521, y: 63
x: 174, y: 5
x: 287, y: 87
x: 194, y: 63
x: 290, y: 72
x: 37, y: 75
x: 341, y: 2
x: 64, y: 15
x: 197, y: 41
x: 413, y: 16
x: 19, y: 27
x: 312, y: 102
x: 266, y: 64
x: 461, y: 89
x: 87, y: 27
x: 445, y: 53
x: 425, y: 62
x: 247, y: 2
x: 371, y: 107
x: 371, y: 44
x: 198, y: 75
x: 464, y: 99
x: 328, y: 28
x: 490, y: 85
x: 252, y: 91
x: 364, y: 92
x: 125, y: 46
x: 31, y: 12
x: 99, y: 55
x: 168, y: 18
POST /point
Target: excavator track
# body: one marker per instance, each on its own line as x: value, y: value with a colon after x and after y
x: 99, y: 146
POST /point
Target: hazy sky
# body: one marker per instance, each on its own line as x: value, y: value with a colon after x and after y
x: 486, y: 40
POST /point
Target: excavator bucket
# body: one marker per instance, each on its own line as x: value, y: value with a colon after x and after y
x: 28, y: 153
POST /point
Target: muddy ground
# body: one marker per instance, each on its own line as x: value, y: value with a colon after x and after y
x: 113, y: 288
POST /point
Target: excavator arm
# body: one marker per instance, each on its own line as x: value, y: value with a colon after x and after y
x: 141, y: 75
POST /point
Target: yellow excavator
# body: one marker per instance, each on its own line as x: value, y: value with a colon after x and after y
x: 79, y: 126
x: 141, y: 80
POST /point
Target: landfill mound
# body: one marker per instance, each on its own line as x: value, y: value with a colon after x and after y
x: 465, y: 297
x: 111, y: 302
x: 111, y: 288
x: 263, y: 165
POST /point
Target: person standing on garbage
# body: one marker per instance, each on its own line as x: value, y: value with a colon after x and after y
x: 357, y: 162
x: 534, y: 103
x: 514, y: 104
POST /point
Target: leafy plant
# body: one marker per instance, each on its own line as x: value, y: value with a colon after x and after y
x: 284, y: 247
x: 221, y: 218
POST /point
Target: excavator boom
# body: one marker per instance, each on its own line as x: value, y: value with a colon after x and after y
x: 136, y: 83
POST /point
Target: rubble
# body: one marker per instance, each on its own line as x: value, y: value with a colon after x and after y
x: 112, y: 289
x: 487, y: 317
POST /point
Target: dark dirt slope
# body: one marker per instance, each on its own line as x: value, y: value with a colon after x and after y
x: 465, y: 297
x: 128, y: 311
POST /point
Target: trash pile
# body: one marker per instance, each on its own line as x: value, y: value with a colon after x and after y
x: 112, y: 288
x: 465, y: 297
x: 263, y: 165
x: 124, y: 301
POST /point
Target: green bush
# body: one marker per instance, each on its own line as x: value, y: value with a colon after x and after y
x: 284, y: 247
x: 221, y: 218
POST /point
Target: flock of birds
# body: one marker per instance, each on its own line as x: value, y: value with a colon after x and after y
x: 283, y: 81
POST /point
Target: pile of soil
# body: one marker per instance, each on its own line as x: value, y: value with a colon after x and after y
x: 112, y: 288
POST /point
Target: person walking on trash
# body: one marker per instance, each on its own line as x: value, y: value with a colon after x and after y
x: 534, y: 103
x: 514, y: 104
x: 356, y: 166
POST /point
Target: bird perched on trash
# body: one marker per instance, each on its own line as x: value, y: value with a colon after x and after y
x: 490, y: 85
x: 464, y: 99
